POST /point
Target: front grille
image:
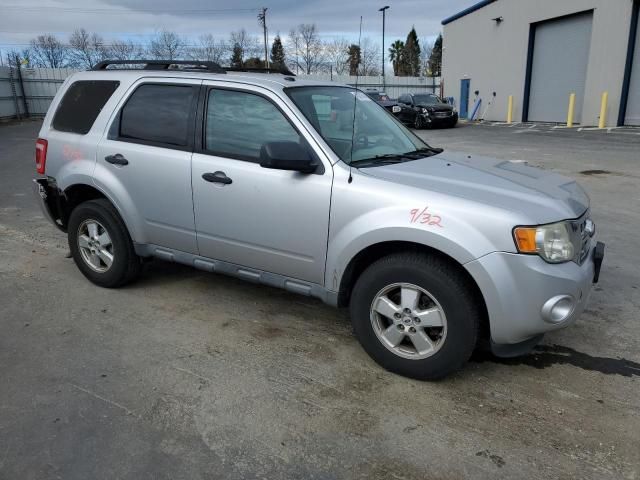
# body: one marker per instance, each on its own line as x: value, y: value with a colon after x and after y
x: 442, y: 114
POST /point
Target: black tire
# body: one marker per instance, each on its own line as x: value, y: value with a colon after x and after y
x: 418, y: 122
x: 447, y: 284
x: 126, y: 264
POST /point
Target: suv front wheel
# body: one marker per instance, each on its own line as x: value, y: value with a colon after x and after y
x: 100, y: 244
x: 416, y: 315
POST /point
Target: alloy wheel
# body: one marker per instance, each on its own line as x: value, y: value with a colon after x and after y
x: 96, y: 248
x: 408, y: 321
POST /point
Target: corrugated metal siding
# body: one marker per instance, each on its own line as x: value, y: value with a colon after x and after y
x: 40, y: 85
x: 560, y: 59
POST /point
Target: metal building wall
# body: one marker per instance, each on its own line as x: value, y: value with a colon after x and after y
x: 493, y: 54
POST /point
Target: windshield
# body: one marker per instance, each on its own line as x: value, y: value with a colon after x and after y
x: 426, y: 99
x: 377, y: 96
x: 375, y: 133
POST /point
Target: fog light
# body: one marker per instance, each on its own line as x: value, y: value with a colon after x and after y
x: 558, y: 308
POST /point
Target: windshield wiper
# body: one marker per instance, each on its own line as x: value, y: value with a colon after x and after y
x: 387, y: 159
x: 432, y: 150
x: 391, y: 158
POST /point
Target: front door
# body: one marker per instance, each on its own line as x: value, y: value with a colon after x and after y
x: 465, y: 85
x: 144, y: 161
x: 271, y: 220
x: 407, y: 114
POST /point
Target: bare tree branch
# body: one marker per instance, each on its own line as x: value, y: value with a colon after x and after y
x: 246, y: 45
x: 86, y: 50
x: 369, y: 57
x: 47, y: 51
x: 308, y: 51
x: 125, y: 50
x: 167, y: 46
x: 209, y: 49
x: 336, y: 54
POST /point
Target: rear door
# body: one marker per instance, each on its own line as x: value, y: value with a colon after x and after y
x: 144, y: 160
x: 271, y: 220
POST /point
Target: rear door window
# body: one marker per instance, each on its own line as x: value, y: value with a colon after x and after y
x: 82, y: 104
x: 159, y: 115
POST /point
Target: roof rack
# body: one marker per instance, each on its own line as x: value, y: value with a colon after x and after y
x: 196, y: 65
x: 283, y: 70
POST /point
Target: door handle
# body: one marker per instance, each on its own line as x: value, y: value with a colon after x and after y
x: 116, y: 159
x: 217, y: 177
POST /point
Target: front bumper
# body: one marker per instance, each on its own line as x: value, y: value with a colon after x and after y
x: 520, y: 291
x: 436, y: 121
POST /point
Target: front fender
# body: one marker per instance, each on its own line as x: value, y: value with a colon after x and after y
x: 368, y: 211
x: 455, y: 238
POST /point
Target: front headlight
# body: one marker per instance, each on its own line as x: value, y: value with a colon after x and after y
x: 552, y: 242
x: 425, y: 111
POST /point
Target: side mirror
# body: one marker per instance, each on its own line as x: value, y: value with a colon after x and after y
x: 287, y: 156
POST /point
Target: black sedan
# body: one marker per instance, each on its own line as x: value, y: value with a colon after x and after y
x: 421, y: 110
x: 383, y: 100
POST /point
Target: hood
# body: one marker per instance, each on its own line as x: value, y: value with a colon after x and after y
x: 436, y: 107
x: 540, y: 195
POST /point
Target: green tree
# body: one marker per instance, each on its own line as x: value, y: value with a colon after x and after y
x: 395, y: 56
x: 354, y: 59
x: 277, y: 53
x: 435, y: 59
x: 411, y: 63
x: 236, y: 56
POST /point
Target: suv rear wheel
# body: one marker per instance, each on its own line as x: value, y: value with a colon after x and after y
x: 416, y: 315
x: 100, y: 244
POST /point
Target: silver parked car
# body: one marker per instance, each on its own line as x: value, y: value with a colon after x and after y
x: 315, y: 188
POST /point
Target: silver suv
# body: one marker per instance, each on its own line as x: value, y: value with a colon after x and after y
x: 314, y: 188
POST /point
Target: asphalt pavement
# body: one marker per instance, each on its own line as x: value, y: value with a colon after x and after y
x: 190, y: 375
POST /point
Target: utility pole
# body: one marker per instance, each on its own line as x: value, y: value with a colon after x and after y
x: 262, y: 18
x: 383, y: 10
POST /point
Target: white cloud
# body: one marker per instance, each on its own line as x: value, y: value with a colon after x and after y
x: 139, y: 19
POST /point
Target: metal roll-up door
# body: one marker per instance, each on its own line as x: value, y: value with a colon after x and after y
x: 559, y: 67
x: 632, y: 116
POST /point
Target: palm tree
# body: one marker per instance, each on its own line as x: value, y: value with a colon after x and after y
x: 395, y: 55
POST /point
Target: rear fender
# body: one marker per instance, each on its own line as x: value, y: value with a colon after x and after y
x: 112, y: 188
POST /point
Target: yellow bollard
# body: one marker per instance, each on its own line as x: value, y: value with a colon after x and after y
x: 572, y: 108
x: 603, y: 110
x: 510, y: 110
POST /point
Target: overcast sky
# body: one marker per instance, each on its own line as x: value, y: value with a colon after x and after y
x: 21, y: 20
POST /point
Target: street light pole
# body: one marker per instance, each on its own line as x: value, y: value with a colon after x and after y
x: 383, y: 10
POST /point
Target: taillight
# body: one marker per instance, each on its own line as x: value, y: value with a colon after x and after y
x: 41, y: 155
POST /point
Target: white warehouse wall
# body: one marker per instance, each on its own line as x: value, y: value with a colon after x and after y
x: 494, y: 56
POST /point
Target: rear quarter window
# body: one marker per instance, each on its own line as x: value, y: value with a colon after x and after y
x: 81, y: 105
